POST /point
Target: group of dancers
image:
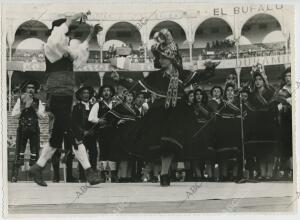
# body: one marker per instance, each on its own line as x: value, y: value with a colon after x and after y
x: 177, y: 123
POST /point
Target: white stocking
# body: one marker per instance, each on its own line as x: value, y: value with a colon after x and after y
x: 46, y: 154
x: 82, y: 156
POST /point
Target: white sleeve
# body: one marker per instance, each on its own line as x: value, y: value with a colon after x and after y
x: 41, y: 111
x: 93, y: 116
x: 80, y: 54
x: 57, y: 43
x: 17, y: 109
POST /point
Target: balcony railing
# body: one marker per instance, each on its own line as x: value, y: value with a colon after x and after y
x: 254, y: 50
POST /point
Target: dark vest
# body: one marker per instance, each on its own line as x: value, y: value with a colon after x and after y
x: 103, y: 109
x: 64, y: 64
x: 83, y: 114
x: 60, y: 76
x: 28, y: 118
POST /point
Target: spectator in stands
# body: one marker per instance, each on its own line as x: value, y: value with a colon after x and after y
x: 28, y: 110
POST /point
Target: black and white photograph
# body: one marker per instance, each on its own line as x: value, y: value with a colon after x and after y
x: 148, y: 108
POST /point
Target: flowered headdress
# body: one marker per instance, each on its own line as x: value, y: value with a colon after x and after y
x: 169, y: 50
x: 258, y: 70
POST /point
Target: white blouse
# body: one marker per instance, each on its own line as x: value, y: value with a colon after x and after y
x: 16, y: 112
x: 58, y: 44
x: 93, y: 116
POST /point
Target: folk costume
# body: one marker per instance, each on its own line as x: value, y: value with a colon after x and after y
x: 284, y: 106
x: 164, y: 129
x: 28, y: 129
x: 228, y: 135
x: 83, y: 129
x: 122, y: 117
x: 61, y: 58
x: 284, y: 100
x: 104, y: 130
x: 228, y: 131
x: 261, y: 131
x: 261, y: 124
x: 202, y: 142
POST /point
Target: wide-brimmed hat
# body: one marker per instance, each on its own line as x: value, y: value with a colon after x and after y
x: 32, y: 82
x: 112, y: 89
x: 58, y: 22
x: 79, y: 91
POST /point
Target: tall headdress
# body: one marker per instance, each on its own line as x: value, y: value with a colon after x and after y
x: 168, y: 49
x: 256, y: 70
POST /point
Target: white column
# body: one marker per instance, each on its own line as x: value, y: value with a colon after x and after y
x: 101, y: 75
x: 10, y: 37
x: 238, y: 73
x: 100, y: 41
x: 10, y: 52
x: 191, y: 51
x: 145, y: 52
x: 10, y: 73
x: 287, y: 44
x: 101, y: 54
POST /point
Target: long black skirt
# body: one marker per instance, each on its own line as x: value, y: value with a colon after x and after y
x: 228, y: 138
x: 121, y: 140
x: 261, y: 134
x: 201, y: 145
x: 162, y: 132
x: 286, y: 138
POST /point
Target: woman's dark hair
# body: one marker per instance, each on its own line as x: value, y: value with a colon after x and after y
x: 216, y: 87
x: 225, y: 90
x: 187, y: 94
x: 256, y: 74
x: 204, y: 96
x: 125, y: 95
x: 283, y: 75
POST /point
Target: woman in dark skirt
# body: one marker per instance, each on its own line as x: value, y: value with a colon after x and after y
x: 184, y: 170
x: 228, y: 134
x: 261, y: 132
x: 164, y: 131
x: 251, y: 164
x: 202, y: 145
x: 122, y: 117
x: 284, y: 100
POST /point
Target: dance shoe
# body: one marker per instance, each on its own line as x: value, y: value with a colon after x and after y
x: 92, y: 177
x: 36, y: 173
x: 165, y: 180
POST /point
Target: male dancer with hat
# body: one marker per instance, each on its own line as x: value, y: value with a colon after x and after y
x: 105, y: 130
x: 29, y: 110
x: 60, y: 60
